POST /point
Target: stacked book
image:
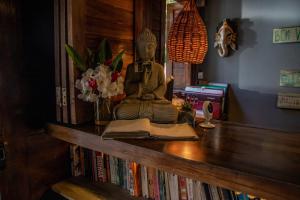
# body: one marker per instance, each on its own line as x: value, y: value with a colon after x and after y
x: 143, y: 181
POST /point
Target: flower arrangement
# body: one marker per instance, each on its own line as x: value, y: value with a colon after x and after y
x: 101, y: 77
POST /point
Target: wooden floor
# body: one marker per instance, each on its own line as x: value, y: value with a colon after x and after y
x: 257, y: 161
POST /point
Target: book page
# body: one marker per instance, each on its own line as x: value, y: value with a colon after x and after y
x: 127, y: 129
x: 172, y: 131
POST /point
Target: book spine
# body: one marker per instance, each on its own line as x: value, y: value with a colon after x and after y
x: 137, y: 179
x: 100, y: 167
x: 95, y: 177
x: 112, y: 169
x: 167, y: 188
x: 196, y: 190
x: 116, y: 171
x: 161, y: 184
x: 189, y: 187
x: 214, y: 192
x: 151, y: 172
x: 75, y: 160
x: 107, y: 163
x: 120, y: 172
x: 174, y: 190
x: 82, y: 163
x: 144, y: 179
x: 156, y: 185
x: 125, y: 174
x: 131, y: 179
x: 207, y: 191
x: 128, y: 174
x: 182, y: 188
x: 104, y: 165
x: 203, y: 191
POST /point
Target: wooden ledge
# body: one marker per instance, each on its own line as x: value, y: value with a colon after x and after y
x: 80, y: 188
x: 257, y: 161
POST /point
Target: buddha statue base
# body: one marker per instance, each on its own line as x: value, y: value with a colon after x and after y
x: 159, y: 111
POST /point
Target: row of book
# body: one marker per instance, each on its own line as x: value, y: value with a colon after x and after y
x: 144, y: 181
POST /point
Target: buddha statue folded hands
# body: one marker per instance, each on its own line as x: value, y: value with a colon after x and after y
x: 145, y: 87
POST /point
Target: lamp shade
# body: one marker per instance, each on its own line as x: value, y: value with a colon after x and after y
x: 187, y: 39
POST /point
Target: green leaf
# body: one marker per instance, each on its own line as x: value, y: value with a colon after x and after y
x: 117, y: 59
x: 78, y: 61
x: 105, y: 52
x: 119, y: 66
x: 91, y: 59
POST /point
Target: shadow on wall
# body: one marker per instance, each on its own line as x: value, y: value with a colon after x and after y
x: 247, y: 37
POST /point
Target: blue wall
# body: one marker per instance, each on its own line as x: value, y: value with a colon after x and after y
x: 253, y: 71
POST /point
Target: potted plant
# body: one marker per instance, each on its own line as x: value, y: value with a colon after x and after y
x: 100, y: 79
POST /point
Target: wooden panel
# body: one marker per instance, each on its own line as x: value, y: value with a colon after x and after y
x: 57, y: 61
x: 151, y: 14
x: 63, y: 59
x: 88, y: 22
x: 80, y: 111
x: 256, y: 161
x: 47, y: 165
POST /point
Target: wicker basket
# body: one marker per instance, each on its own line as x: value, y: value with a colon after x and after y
x: 187, y: 40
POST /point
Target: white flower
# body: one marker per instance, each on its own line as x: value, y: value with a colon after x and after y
x: 106, y: 88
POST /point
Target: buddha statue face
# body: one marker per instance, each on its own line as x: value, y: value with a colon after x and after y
x: 146, y: 44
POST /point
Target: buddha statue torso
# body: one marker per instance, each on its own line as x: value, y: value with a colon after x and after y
x: 145, y: 87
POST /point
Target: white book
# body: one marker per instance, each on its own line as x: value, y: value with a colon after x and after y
x: 197, y: 190
x: 173, y: 184
x: 214, y: 192
x: 189, y: 187
x: 143, y: 128
x: 128, y: 174
x: 201, y: 188
x: 144, y: 178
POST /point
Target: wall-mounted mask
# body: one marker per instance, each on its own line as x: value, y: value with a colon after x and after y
x: 225, y: 37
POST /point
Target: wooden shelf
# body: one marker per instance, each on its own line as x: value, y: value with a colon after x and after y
x: 257, y: 161
x: 79, y: 188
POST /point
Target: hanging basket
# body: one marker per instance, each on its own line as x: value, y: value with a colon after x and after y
x: 187, y: 40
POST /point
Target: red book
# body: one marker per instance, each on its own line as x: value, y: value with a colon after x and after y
x: 101, y: 176
x: 182, y: 188
x: 136, y: 171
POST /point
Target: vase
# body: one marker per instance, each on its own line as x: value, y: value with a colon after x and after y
x: 103, y: 111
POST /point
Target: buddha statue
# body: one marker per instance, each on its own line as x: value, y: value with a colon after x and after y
x: 145, y: 87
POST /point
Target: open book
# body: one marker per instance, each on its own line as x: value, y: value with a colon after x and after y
x: 143, y: 128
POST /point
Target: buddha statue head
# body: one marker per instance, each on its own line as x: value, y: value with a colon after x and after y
x: 146, y: 45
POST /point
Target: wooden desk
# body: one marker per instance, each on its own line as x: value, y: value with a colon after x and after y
x: 257, y: 161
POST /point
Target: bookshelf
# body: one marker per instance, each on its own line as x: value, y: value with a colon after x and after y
x: 257, y: 161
